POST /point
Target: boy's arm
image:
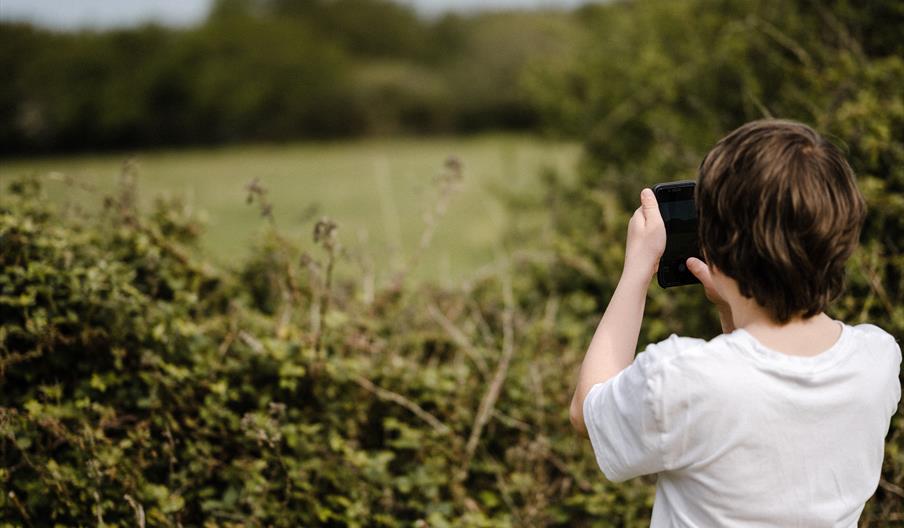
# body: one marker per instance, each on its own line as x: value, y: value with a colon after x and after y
x: 615, y: 340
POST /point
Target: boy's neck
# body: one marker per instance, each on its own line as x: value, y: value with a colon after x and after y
x: 798, y: 337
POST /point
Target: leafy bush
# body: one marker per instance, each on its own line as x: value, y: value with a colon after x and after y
x: 142, y: 385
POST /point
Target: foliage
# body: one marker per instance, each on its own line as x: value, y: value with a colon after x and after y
x: 142, y: 385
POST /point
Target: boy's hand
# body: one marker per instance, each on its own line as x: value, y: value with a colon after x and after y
x: 701, y: 271
x: 646, y: 236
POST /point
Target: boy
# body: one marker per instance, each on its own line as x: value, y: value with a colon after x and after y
x: 780, y: 421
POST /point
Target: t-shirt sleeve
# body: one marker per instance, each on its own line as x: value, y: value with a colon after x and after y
x: 895, y: 393
x: 623, y: 415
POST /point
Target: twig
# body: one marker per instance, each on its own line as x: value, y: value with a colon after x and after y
x: 563, y: 468
x: 876, y: 284
x: 325, y: 236
x: 172, y: 453
x: 8, y: 360
x: 325, y: 300
x: 19, y: 506
x: 782, y: 39
x: 417, y: 410
x: 291, y: 279
x: 763, y: 109
x: 511, y: 421
x: 547, y: 341
x: 480, y: 321
x: 316, y: 281
x: 232, y: 331
x: 891, y: 488
x: 98, y: 508
x: 488, y: 402
x: 458, y: 336
x: 127, y: 202
x: 507, y: 499
x: 257, y: 192
x: 285, y: 315
x: 844, y: 35
x: 448, y: 181
x: 252, y: 342
x: 139, y: 510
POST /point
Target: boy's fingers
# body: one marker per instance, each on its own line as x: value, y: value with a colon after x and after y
x: 699, y: 270
x: 649, y: 205
x: 638, y: 213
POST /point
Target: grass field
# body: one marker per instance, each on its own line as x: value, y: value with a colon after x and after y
x: 376, y: 190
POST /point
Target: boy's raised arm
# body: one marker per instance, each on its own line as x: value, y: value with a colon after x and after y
x: 615, y: 340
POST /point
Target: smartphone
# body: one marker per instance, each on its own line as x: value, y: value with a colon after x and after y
x: 676, y: 203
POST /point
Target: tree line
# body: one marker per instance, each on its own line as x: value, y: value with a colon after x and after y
x: 271, y: 70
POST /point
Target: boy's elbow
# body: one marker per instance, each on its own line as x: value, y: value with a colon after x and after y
x: 576, y: 415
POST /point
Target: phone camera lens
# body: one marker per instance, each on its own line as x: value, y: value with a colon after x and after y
x: 682, y: 267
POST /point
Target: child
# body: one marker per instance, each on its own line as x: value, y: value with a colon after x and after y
x: 781, y: 420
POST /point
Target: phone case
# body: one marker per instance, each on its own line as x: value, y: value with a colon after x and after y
x: 671, y: 274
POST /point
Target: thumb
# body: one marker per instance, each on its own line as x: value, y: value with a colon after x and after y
x: 700, y: 270
x: 649, y: 205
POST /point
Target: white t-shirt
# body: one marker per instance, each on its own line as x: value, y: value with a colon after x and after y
x: 742, y: 435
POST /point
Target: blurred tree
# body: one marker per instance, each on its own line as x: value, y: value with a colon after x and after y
x: 271, y: 70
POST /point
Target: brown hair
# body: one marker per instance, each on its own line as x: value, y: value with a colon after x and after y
x: 780, y: 214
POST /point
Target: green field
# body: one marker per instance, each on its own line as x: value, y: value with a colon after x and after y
x: 376, y: 190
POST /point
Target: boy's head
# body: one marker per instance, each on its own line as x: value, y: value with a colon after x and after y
x: 780, y: 214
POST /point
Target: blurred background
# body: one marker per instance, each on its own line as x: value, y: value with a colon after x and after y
x: 348, y: 106
x: 336, y: 262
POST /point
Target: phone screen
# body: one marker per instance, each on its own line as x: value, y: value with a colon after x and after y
x: 676, y: 204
